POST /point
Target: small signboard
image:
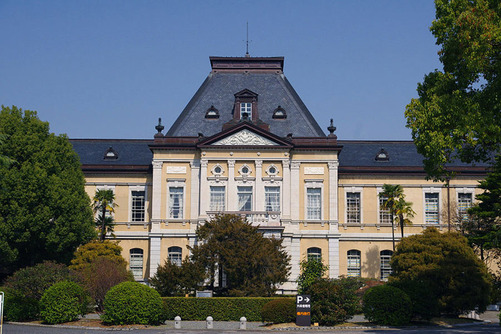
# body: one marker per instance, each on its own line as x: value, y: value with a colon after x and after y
x: 303, y: 310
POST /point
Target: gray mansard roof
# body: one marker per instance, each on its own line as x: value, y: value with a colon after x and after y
x: 263, y: 76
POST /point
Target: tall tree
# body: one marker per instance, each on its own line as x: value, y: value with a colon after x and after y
x: 458, y: 112
x: 233, y: 249
x: 400, y: 210
x: 104, y: 205
x: 44, y: 210
x: 483, y: 229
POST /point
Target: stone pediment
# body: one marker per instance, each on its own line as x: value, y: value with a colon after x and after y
x: 245, y: 138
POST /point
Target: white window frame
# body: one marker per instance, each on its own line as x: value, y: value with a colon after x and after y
x: 380, y: 208
x: 245, y: 107
x: 134, y: 268
x: 276, y: 186
x: 314, y: 184
x: 353, y: 190
x: 240, y: 191
x: 176, y: 184
x: 354, y: 256
x: 174, y: 256
x: 432, y: 191
x: 225, y: 192
x: 144, y: 188
x: 470, y: 191
x: 384, y: 264
x: 314, y: 253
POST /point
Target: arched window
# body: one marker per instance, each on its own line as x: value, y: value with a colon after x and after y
x: 314, y: 253
x: 176, y: 255
x: 385, y: 257
x: 136, y: 263
x: 354, y: 263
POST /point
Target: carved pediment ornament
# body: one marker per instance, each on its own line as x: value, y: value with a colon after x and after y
x: 245, y: 137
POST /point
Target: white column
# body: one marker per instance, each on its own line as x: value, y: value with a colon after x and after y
x: 195, y: 189
x: 156, y: 198
x: 286, y: 190
x: 231, y: 201
x: 295, y: 255
x: 259, y: 187
x: 295, y: 190
x: 204, y: 189
x: 155, y: 247
x: 333, y: 257
x: 333, y: 190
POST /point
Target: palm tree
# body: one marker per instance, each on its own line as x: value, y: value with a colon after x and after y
x: 394, y: 201
x: 104, y: 201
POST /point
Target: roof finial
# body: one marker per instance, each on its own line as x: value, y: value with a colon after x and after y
x: 159, y: 128
x: 247, y: 41
x: 331, y: 128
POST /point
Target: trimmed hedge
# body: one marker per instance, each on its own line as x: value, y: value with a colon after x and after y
x: 387, y: 305
x: 279, y: 311
x: 219, y: 308
x: 63, y: 302
x: 132, y: 303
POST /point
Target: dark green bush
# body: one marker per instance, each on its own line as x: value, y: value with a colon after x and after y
x: 334, y: 301
x: 132, y: 303
x: 63, y: 302
x: 279, y: 311
x: 24, y: 289
x: 220, y: 308
x: 387, y: 305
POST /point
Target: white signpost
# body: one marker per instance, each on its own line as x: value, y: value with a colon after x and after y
x: 1, y: 311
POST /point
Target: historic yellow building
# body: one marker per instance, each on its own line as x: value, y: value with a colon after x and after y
x: 247, y: 144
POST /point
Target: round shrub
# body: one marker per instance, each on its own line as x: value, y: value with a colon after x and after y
x: 17, y: 307
x: 387, y: 305
x: 63, y: 302
x: 132, y: 303
x: 279, y: 311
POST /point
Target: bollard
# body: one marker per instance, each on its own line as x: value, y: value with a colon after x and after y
x: 243, y: 323
x: 177, y: 322
x: 210, y: 322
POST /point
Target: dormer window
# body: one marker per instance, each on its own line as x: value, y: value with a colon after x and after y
x: 246, y: 110
x: 212, y: 113
x: 279, y: 113
x: 245, y: 106
x: 382, y: 155
x: 110, y: 154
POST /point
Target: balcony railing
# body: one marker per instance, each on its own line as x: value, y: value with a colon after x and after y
x: 261, y: 218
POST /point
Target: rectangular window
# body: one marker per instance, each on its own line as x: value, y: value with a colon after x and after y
x: 136, y: 263
x: 385, y: 264
x: 244, y: 198
x: 176, y: 195
x: 353, y: 208
x: 465, y: 201
x: 246, y: 108
x: 431, y: 208
x: 384, y: 213
x: 272, y: 198
x: 138, y: 206
x: 217, y: 198
x: 314, y: 203
x: 354, y: 266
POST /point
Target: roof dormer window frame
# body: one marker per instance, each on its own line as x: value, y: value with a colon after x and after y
x: 212, y: 113
x: 246, y: 103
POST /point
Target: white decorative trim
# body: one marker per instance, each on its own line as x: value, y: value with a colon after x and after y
x: 176, y: 169
x: 139, y: 188
x: 314, y: 184
x: 314, y: 170
x: 175, y: 184
x: 353, y: 190
x: 432, y: 190
x: 157, y: 164
x: 245, y: 137
x: 217, y: 174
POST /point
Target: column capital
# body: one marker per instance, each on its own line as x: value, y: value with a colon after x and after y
x: 286, y: 163
x: 295, y: 164
x: 195, y: 163
x: 259, y: 163
x: 204, y: 163
x: 157, y: 164
x: 333, y: 164
x: 231, y: 163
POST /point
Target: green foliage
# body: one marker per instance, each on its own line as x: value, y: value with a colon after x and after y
x: 398, y: 206
x: 279, y: 311
x: 440, y: 273
x: 311, y: 269
x: 103, y: 204
x: 482, y: 228
x: 63, y: 302
x: 132, y: 303
x: 102, y: 274
x: 254, y: 265
x: 220, y: 308
x: 173, y: 280
x: 87, y: 253
x: 457, y: 112
x: 387, y: 305
x: 44, y: 210
x: 25, y: 288
x: 334, y: 301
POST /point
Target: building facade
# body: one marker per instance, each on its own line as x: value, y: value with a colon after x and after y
x: 246, y: 144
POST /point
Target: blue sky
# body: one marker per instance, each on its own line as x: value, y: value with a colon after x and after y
x: 109, y: 69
